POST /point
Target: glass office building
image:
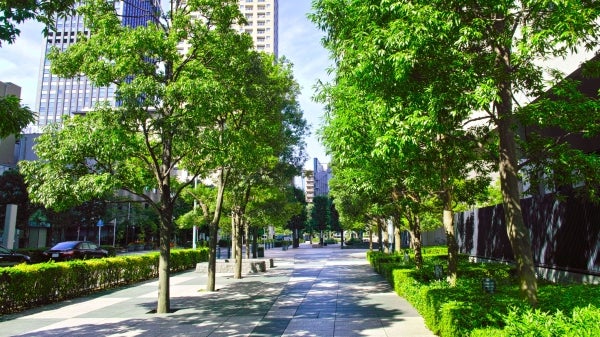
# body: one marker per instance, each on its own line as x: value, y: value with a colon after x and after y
x: 59, y: 96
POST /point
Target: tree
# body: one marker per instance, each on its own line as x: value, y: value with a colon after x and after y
x: 297, y: 222
x: 174, y: 112
x: 14, y: 117
x: 14, y: 191
x: 15, y: 12
x: 318, y: 215
x: 489, y: 53
x: 271, y: 118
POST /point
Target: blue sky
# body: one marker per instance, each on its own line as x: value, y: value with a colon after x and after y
x: 299, y: 41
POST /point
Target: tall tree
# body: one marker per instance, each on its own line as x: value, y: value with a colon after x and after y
x: 494, y: 49
x: 173, y: 111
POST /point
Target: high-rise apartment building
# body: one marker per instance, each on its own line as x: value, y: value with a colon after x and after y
x: 59, y: 96
x: 317, y: 181
x: 262, y: 22
x: 262, y: 17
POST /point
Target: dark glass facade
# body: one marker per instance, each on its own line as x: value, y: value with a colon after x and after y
x: 59, y: 96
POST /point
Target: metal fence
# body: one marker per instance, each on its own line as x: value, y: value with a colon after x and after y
x: 565, y: 233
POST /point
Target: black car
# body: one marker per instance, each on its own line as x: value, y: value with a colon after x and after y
x: 70, y: 250
x: 10, y: 258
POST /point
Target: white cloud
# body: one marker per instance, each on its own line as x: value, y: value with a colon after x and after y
x: 20, y: 62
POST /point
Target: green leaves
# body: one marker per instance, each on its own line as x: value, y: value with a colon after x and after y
x: 13, y: 116
x: 15, y: 12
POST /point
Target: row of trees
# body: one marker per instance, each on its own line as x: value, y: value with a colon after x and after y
x: 222, y: 112
x: 424, y: 105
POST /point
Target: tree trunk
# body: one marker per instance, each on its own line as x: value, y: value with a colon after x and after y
x: 397, y: 238
x: 415, y: 225
x: 246, y: 231
x: 237, y: 236
x: 386, y: 236
x: 296, y: 238
x: 214, y: 228
x: 452, y: 247
x: 163, y: 305
x: 379, y: 235
x: 254, y: 242
x: 518, y: 234
x: 234, y: 235
x: 448, y: 220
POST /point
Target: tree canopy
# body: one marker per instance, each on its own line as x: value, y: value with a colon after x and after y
x: 197, y: 111
x: 13, y: 116
x: 15, y: 12
x: 436, y: 82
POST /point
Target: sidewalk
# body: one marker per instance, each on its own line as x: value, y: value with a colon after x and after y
x: 310, y: 292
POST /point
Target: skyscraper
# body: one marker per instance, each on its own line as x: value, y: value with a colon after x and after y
x: 59, y: 96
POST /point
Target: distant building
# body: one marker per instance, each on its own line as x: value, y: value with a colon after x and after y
x: 317, y: 180
x: 309, y: 185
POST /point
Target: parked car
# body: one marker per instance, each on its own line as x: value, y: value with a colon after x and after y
x: 10, y: 258
x: 71, y: 250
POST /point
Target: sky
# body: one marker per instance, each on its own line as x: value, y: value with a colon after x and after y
x: 299, y: 42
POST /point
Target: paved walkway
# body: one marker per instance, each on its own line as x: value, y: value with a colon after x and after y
x: 309, y: 292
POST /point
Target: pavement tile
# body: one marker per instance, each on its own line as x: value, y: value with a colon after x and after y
x: 310, y: 292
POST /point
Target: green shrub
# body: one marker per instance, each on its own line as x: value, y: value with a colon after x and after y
x: 330, y: 241
x: 467, y: 310
x: 353, y: 241
x: 112, y: 251
x: 25, y: 286
x: 584, y: 322
x: 36, y: 254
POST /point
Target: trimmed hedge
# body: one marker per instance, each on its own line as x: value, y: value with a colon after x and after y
x: 466, y: 310
x: 26, y: 286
